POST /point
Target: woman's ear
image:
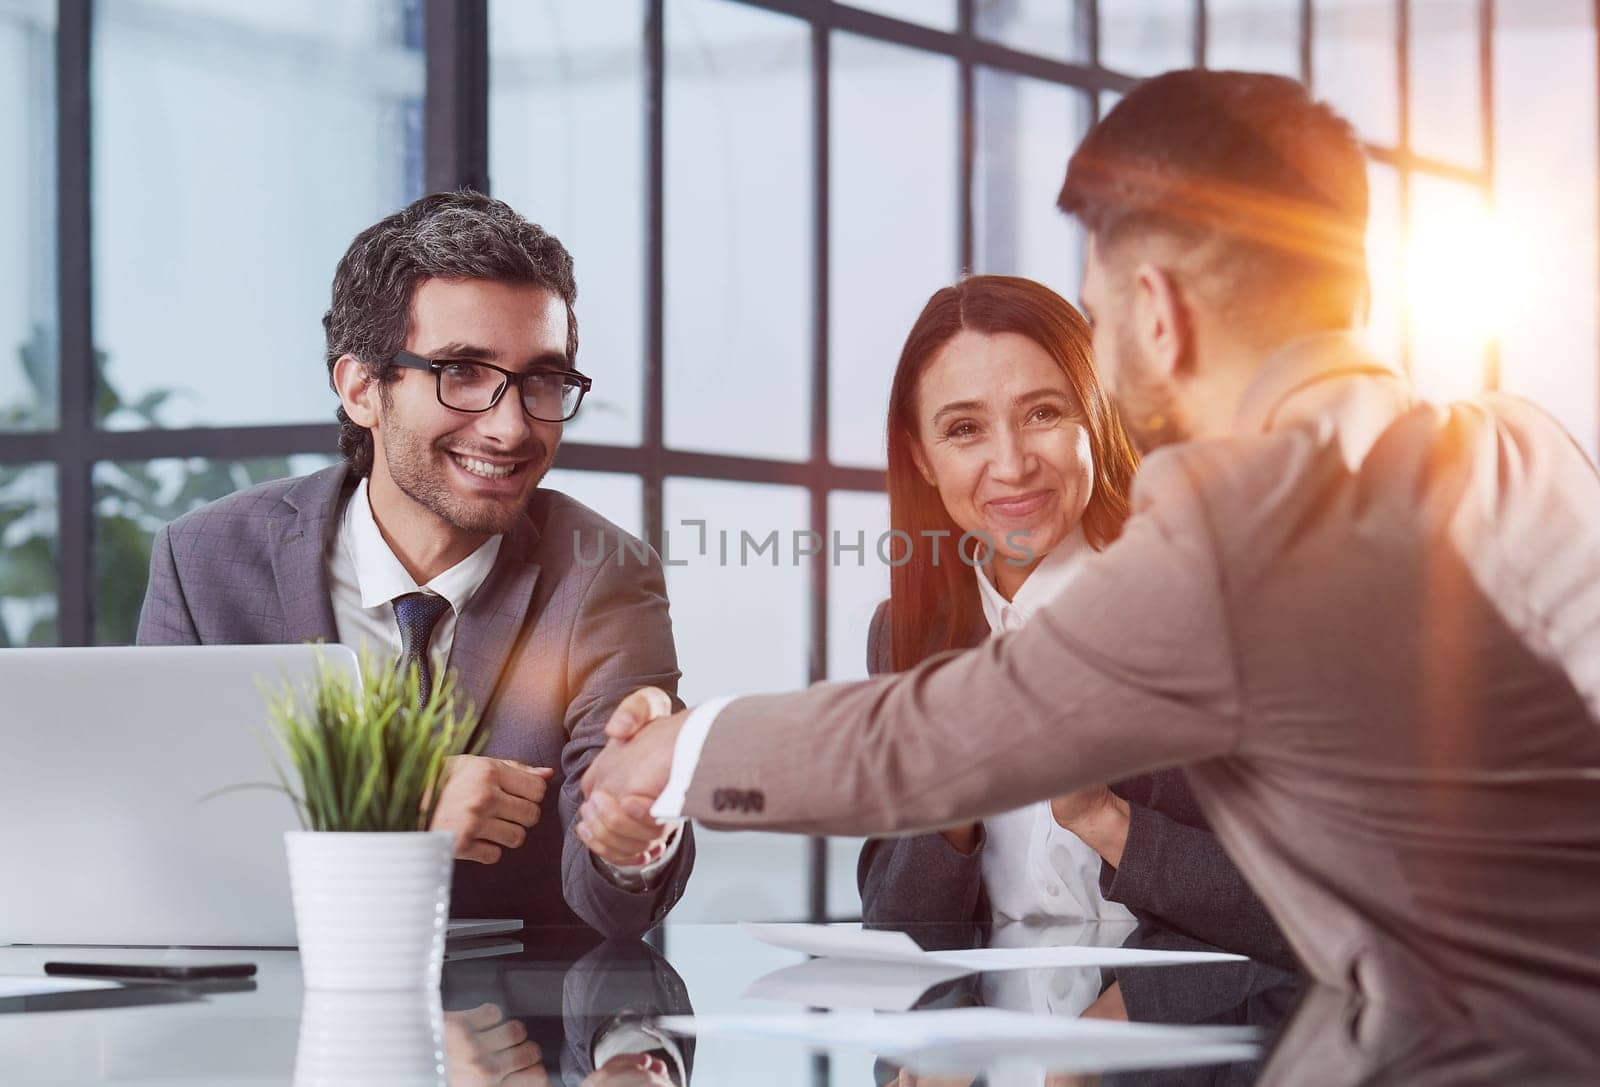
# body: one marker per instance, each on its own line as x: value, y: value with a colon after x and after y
x: 358, y: 390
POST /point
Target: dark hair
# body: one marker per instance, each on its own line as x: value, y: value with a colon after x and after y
x: 1247, y: 157
x: 447, y: 235
x: 933, y: 605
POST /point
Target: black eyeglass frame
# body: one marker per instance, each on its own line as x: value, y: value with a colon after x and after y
x: 412, y: 361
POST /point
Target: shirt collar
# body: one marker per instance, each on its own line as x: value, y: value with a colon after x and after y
x: 381, y: 577
x: 1047, y: 579
x: 1297, y: 367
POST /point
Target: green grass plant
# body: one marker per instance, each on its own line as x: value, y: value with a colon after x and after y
x: 368, y: 757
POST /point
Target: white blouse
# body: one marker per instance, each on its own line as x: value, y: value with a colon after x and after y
x: 1033, y: 868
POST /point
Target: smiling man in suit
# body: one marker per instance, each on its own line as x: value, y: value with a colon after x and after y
x: 450, y: 341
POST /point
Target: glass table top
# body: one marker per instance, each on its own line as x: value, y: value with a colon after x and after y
x: 562, y: 1006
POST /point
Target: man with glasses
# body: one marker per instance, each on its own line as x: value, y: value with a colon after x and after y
x: 451, y: 340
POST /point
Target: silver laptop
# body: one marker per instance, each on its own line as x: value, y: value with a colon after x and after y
x: 105, y: 756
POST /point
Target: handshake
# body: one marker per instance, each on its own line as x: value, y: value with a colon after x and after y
x: 491, y: 803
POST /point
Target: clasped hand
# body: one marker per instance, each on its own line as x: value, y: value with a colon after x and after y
x: 626, y: 778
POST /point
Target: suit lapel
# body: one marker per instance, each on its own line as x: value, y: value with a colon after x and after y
x: 298, y: 538
x: 487, y: 631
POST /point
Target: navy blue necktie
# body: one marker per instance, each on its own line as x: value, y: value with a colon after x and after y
x: 418, y: 614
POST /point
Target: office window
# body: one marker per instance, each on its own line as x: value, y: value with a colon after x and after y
x: 133, y: 500
x: 892, y: 232
x: 939, y: 14
x: 1051, y: 28
x: 215, y: 239
x: 616, y: 496
x: 27, y: 555
x: 27, y: 216
x: 1252, y: 36
x: 857, y: 584
x: 1355, y: 66
x: 567, y: 150
x: 740, y: 619
x: 739, y: 235
x: 1147, y: 37
x: 1545, y: 217
x: 1385, y: 263
x: 1026, y: 132
x: 1445, y: 83
x: 1448, y: 268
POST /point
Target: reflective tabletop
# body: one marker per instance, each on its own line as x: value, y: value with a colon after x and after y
x: 561, y: 1006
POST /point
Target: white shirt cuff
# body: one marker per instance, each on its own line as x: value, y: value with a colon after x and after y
x: 686, y: 756
x: 639, y: 877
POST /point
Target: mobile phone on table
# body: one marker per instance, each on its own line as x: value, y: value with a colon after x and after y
x: 125, y: 971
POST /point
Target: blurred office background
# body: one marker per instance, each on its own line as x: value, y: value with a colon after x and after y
x: 760, y: 196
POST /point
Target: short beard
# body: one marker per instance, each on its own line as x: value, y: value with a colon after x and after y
x: 413, y: 470
x: 1149, y: 411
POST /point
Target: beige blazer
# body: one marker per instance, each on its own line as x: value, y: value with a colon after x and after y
x: 1369, y: 630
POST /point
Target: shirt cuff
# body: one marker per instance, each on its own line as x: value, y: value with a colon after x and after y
x: 686, y: 756
x: 641, y: 877
x: 637, y: 1037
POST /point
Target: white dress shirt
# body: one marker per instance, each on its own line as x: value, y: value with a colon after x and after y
x: 1034, y: 869
x: 365, y: 578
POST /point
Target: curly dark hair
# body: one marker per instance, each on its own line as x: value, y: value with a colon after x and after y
x: 446, y: 235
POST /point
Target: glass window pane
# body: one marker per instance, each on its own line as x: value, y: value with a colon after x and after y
x: 892, y: 225
x: 1252, y: 36
x: 238, y: 149
x: 857, y: 583
x: 27, y: 216
x: 28, y: 528
x: 1545, y: 183
x: 1355, y: 65
x: 940, y: 14
x: 134, y: 499
x: 1385, y: 263
x: 566, y: 149
x: 616, y: 496
x: 1449, y: 265
x: 1026, y: 131
x: 1052, y: 28
x: 1445, y: 89
x: 739, y: 230
x: 1146, y: 37
x: 741, y: 619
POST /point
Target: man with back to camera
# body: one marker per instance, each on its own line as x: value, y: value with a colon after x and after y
x: 450, y: 341
x: 1368, y: 628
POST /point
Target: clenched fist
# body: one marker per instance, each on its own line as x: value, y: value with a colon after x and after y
x: 489, y: 804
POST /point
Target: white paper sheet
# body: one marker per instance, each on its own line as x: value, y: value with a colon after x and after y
x: 830, y: 941
x: 14, y: 985
x: 975, y: 1037
x: 852, y: 983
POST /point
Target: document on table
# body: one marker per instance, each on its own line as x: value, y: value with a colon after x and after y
x: 852, y: 983
x: 15, y: 985
x: 867, y: 945
x: 978, y: 1037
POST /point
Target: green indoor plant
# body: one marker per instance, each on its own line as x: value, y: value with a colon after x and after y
x: 371, y: 883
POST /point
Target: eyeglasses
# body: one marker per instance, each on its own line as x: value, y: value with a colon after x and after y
x: 548, y: 395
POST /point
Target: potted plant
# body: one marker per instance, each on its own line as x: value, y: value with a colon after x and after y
x: 370, y: 882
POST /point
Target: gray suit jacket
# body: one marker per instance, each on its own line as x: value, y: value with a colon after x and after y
x: 1369, y: 630
x: 1173, y: 870
x: 546, y: 649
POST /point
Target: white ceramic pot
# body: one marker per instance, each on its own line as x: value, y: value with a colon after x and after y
x: 370, y: 909
x: 371, y: 1040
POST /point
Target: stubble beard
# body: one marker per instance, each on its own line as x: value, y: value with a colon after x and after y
x: 419, y: 469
